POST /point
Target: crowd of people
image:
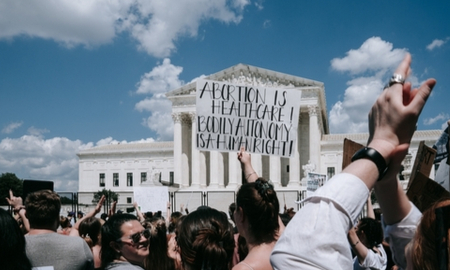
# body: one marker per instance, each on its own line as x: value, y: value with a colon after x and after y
x: 326, y: 233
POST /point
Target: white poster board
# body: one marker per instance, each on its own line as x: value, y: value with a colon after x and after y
x: 151, y: 199
x: 315, y: 181
x: 262, y: 119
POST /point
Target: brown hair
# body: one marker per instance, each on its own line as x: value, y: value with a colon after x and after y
x: 158, y: 257
x: 43, y: 209
x: 424, y: 253
x: 260, y: 204
x: 206, y: 240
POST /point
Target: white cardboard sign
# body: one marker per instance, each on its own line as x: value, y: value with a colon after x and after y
x: 151, y: 198
x: 262, y: 119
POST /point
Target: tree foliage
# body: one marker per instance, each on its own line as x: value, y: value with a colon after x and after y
x: 110, y: 196
x: 9, y: 181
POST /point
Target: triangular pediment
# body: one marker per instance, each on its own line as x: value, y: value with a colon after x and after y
x: 249, y: 75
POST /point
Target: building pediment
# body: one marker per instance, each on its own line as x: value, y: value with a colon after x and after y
x: 250, y: 75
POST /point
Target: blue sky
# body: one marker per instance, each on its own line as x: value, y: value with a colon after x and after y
x: 76, y: 74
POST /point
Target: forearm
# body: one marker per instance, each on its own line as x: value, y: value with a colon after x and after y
x: 25, y: 221
x: 393, y: 201
x: 358, y: 248
x: 249, y: 173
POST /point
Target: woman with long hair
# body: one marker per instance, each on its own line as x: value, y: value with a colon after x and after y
x: 158, y: 257
x: 124, y: 243
x: 12, y: 248
x: 256, y: 217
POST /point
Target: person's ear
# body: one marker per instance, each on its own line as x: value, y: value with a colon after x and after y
x: 241, y: 215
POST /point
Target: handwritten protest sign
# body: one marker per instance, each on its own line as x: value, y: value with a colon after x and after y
x: 315, y: 181
x: 262, y: 119
x: 151, y: 198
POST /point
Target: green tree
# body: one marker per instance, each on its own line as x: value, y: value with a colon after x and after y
x: 9, y: 181
x: 110, y: 196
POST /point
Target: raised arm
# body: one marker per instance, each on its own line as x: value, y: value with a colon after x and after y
x: 138, y: 212
x: 370, y: 212
x: 74, y: 231
x: 18, y: 207
x: 246, y: 165
x: 392, y: 122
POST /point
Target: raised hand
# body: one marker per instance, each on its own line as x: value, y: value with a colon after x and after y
x: 393, y: 117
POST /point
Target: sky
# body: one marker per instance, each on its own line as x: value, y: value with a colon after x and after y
x: 80, y: 74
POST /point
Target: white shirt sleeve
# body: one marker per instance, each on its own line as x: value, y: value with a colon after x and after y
x: 400, y: 234
x: 316, y: 237
x: 373, y: 260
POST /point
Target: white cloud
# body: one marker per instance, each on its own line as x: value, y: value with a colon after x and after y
x: 161, y: 121
x: 370, y: 66
x: 163, y: 78
x: 11, y: 127
x: 155, y: 24
x: 37, y: 132
x: 33, y: 157
x: 55, y: 159
x: 436, y: 44
x: 374, y: 55
x: 441, y: 116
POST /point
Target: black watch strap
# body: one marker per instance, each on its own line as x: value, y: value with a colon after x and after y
x: 375, y: 157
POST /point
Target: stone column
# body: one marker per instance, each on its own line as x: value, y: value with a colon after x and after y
x: 314, y: 136
x: 216, y: 169
x: 186, y: 146
x: 234, y: 171
x: 294, y: 165
x: 177, y: 144
x: 257, y: 163
x: 195, y: 154
x: 275, y: 171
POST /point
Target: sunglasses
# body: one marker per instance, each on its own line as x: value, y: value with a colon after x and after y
x: 136, y: 237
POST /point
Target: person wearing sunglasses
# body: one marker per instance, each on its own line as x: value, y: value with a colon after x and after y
x: 125, y: 243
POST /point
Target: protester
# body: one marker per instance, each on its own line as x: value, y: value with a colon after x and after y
x: 12, y: 247
x: 158, y: 257
x: 89, y: 227
x: 256, y: 216
x: 205, y: 240
x: 124, y: 243
x: 45, y: 247
x: 316, y: 237
x: 366, y: 241
x: 64, y: 225
x: 19, y: 211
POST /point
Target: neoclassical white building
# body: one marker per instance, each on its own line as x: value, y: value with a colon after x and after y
x: 214, y: 176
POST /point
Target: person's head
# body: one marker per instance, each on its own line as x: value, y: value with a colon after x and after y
x: 80, y: 214
x: 64, y: 222
x: 104, y: 216
x: 12, y: 247
x: 43, y: 209
x: 256, y: 212
x: 205, y: 240
x: 123, y: 237
x: 369, y: 232
x: 89, y: 230
x: 158, y: 245
x: 422, y: 252
x: 174, y: 217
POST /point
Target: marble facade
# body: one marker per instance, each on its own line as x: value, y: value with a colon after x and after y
x: 202, y: 171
